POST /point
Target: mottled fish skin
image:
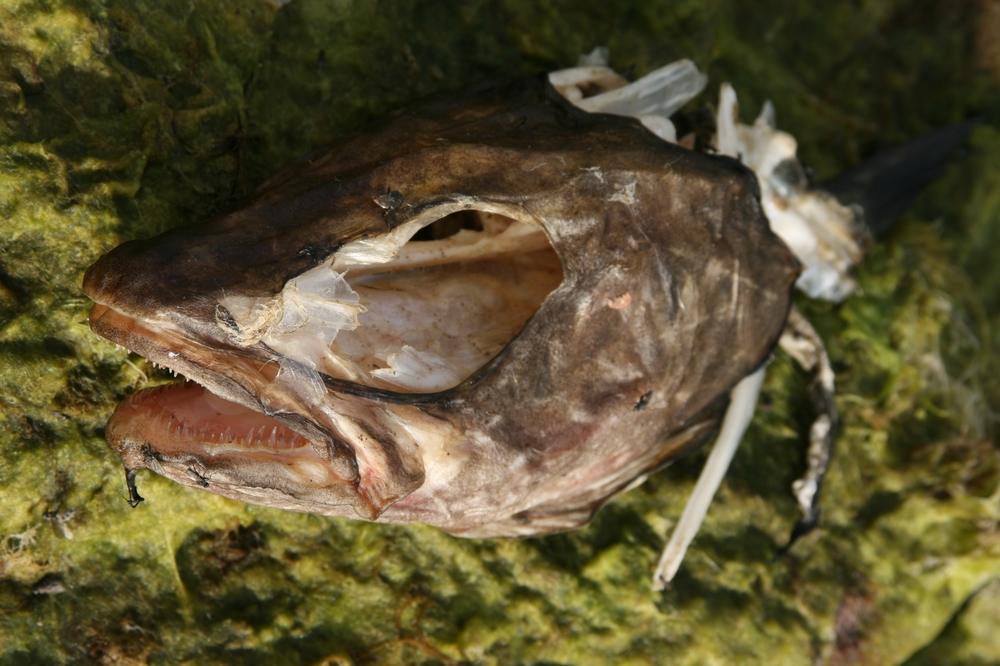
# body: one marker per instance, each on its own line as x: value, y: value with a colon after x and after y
x: 590, y: 395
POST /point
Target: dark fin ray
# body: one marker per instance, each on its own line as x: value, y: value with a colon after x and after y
x: 801, y: 342
x: 133, y: 493
x: 885, y: 186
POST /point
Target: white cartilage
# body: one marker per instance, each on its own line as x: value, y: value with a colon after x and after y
x: 742, y: 403
x: 652, y: 99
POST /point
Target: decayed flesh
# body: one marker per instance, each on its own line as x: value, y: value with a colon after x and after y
x: 488, y: 313
x: 822, y: 232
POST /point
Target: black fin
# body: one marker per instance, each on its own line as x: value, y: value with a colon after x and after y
x: 885, y: 186
x: 133, y: 493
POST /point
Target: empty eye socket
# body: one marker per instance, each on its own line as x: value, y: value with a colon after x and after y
x: 449, y: 225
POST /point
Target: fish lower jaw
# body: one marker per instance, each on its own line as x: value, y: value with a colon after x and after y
x: 185, y: 413
x: 185, y: 432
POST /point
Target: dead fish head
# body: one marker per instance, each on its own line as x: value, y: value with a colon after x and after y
x: 489, y: 312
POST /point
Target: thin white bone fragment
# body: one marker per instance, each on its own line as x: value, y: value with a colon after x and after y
x: 727, y: 141
x: 653, y: 98
x: 599, y: 76
x: 599, y: 57
x: 660, y: 126
x: 742, y: 403
x: 662, y: 92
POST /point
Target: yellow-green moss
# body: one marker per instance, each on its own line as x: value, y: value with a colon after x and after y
x: 121, y: 119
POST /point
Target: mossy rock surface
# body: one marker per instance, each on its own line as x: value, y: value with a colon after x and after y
x: 119, y: 120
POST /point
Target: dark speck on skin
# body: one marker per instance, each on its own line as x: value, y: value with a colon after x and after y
x: 391, y: 200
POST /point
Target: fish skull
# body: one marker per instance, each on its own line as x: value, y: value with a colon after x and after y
x: 507, y: 380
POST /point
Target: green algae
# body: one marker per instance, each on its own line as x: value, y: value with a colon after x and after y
x: 119, y: 120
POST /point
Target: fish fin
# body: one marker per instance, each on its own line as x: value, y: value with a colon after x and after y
x: 800, y: 341
x: 885, y: 185
x: 134, y: 498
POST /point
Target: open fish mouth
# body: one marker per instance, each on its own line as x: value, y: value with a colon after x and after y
x: 175, y: 428
x: 188, y: 417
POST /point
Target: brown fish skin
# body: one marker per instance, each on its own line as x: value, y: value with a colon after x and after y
x: 674, y: 288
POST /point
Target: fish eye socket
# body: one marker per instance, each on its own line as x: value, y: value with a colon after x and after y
x: 449, y: 225
x: 418, y: 309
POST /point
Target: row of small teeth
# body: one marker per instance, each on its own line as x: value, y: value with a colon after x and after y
x: 171, y: 370
x: 155, y: 364
x: 173, y: 428
x: 275, y: 441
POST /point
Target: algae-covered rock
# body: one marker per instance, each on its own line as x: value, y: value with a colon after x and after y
x: 119, y: 120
